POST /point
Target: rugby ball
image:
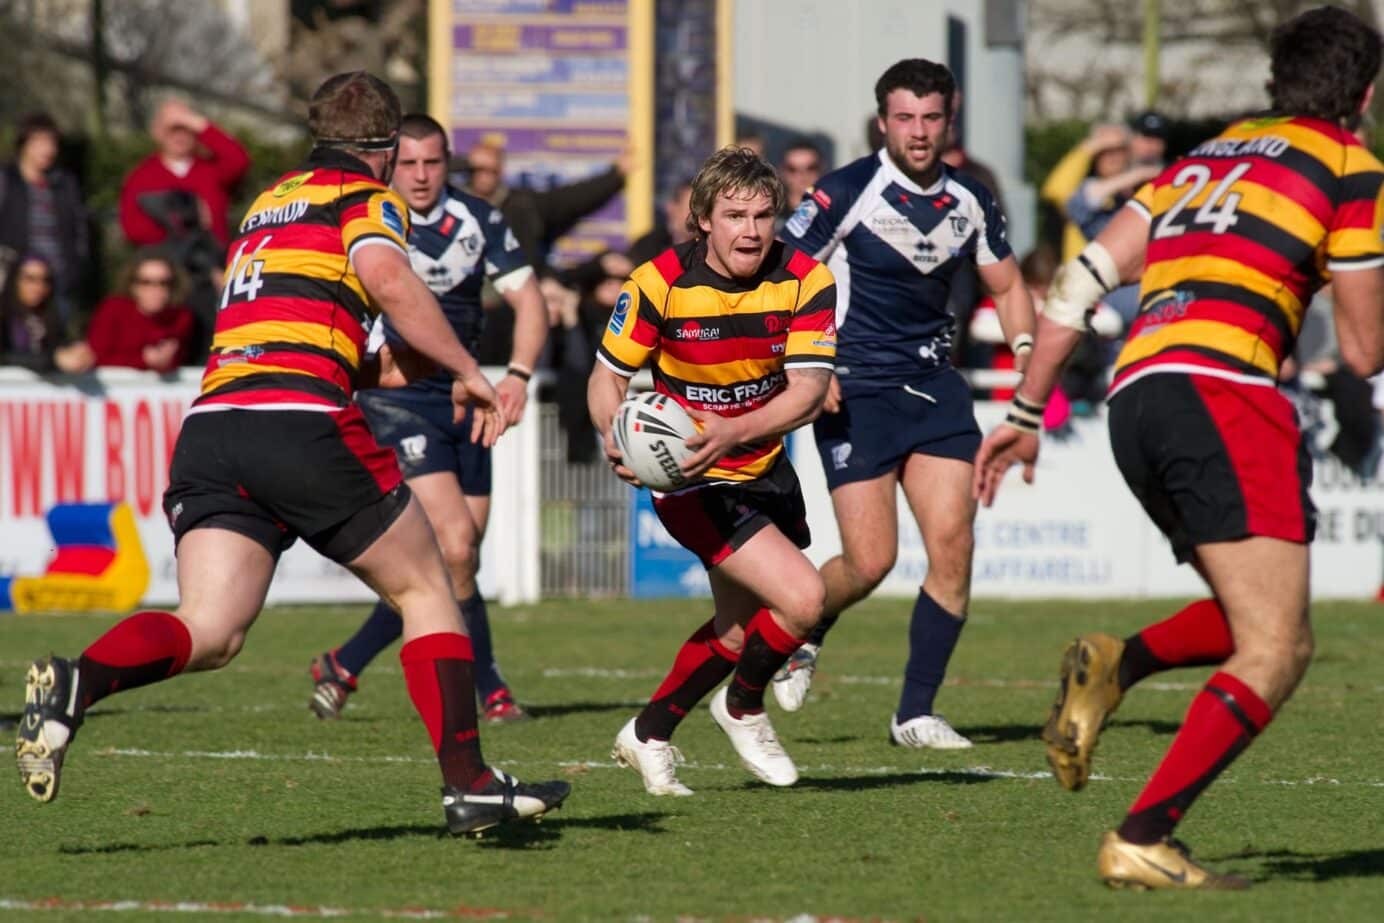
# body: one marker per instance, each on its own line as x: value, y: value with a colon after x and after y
x: 651, y: 432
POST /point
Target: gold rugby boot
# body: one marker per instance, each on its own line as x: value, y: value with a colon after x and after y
x: 1162, y: 865
x: 1088, y: 693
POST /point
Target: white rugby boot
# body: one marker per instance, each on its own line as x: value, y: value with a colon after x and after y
x: 794, y: 678
x: 655, y: 760
x: 755, y: 742
x: 926, y: 732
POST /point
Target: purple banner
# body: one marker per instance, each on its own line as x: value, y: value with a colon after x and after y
x: 547, y: 80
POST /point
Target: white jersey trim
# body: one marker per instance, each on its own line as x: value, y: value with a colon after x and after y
x: 1335, y: 266
x: 1188, y: 369
x: 513, y: 280
x: 373, y: 241
x: 614, y: 368
x: 209, y: 408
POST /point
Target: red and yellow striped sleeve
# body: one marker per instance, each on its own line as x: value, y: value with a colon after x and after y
x: 633, y: 331
x: 1142, y: 201
x: 1353, y: 240
x: 812, y: 331
x: 373, y: 215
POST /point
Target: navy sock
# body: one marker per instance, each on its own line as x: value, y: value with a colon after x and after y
x: 488, y: 678
x: 819, y: 634
x: 380, y: 630
x: 932, y: 636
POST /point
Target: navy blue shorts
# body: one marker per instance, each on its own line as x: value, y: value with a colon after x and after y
x: 875, y: 432
x: 423, y: 436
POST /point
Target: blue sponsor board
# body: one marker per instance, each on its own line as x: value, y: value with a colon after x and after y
x: 659, y: 566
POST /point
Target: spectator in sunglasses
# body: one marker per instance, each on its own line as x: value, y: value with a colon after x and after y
x: 30, y: 328
x: 146, y: 325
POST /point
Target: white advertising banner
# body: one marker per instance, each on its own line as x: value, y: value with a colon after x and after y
x: 110, y: 436
x: 1078, y: 531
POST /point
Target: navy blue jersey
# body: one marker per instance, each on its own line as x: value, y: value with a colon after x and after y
x: 454, y: 248
x: 893, y: 248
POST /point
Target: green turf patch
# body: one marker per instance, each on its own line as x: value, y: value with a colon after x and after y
x: 223, y: 792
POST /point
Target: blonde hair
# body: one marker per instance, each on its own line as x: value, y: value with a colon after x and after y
x: 730, y: 170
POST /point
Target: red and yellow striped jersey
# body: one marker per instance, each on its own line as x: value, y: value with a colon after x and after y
x: 720, y: 344
x: 294, y: 317
x: 1242, y: 231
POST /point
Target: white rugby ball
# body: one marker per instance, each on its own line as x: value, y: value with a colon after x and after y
x: 651, y: 432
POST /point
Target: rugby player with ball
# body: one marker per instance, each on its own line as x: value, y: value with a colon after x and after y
x: 740, y: 331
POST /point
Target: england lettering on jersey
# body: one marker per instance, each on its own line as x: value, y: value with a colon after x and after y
x: 893, y: 248
x: 454, y: 248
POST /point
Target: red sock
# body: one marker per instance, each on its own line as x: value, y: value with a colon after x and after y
x: 1196, y: 636
x: 1223, y: 720
x: 701, y: 665
x: 437, y: 671
x: 767, y: 647
x: 141, y: 649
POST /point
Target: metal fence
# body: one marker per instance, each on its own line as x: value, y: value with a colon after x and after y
x: 583, y: 520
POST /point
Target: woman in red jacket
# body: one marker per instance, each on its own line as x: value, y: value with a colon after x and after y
x: 146, y: 326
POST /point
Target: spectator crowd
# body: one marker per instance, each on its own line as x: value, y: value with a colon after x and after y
x: 176, y: 211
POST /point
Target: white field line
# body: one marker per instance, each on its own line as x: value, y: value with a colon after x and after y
x: 262, y: 910
x: 981, y: 772
x: 849, y: 679
x: 295, y: 911
x: 846, y: 679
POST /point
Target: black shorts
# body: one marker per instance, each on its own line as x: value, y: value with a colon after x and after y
x: 420, y: 430
x: 875, y: 432
x: 276, y: 475
x: 714, y: 521
x: 1213, y: 460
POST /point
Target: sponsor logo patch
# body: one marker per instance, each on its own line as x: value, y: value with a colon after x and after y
x: 840, y: 456
x: 413, y: 447
x: 695, y: 331
x: 290, y: 184
x: 822, y: 198
x: 802, y: 218
x: 389, y: 214
x: 620, y: 313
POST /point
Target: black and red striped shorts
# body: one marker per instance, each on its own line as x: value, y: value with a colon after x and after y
x: 715, y: 520
x: 1213, y: 460
x: 277, y: 475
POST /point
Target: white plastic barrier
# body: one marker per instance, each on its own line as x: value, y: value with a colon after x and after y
x: 109, y: 436
x: 1078, y: 531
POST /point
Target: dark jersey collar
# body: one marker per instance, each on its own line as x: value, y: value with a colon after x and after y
x: 330, y: 158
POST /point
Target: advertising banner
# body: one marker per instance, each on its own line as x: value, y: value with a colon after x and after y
x: 547, y: 80
x: 109, y: 438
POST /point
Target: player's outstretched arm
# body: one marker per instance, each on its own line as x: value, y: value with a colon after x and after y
x: 1115, y: 256
x: 414, y: 314
x: 530, y: 332
x: 605, y: 390
x: 796, y: 405
x: 1013, y: 304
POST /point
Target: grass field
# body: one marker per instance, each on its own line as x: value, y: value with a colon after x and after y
x: 220, y: 791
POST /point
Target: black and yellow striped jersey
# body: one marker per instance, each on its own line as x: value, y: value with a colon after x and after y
x: 1242, y: 231
x: 294, y: 318
x: 720, y: 344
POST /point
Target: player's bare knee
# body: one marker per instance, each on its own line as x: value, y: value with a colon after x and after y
x: 463, y: 562
x: 801, y: 607
x: 1302, y: 649
x: 732, y: 637
x: 867, y: 571
x: 213, y: 650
